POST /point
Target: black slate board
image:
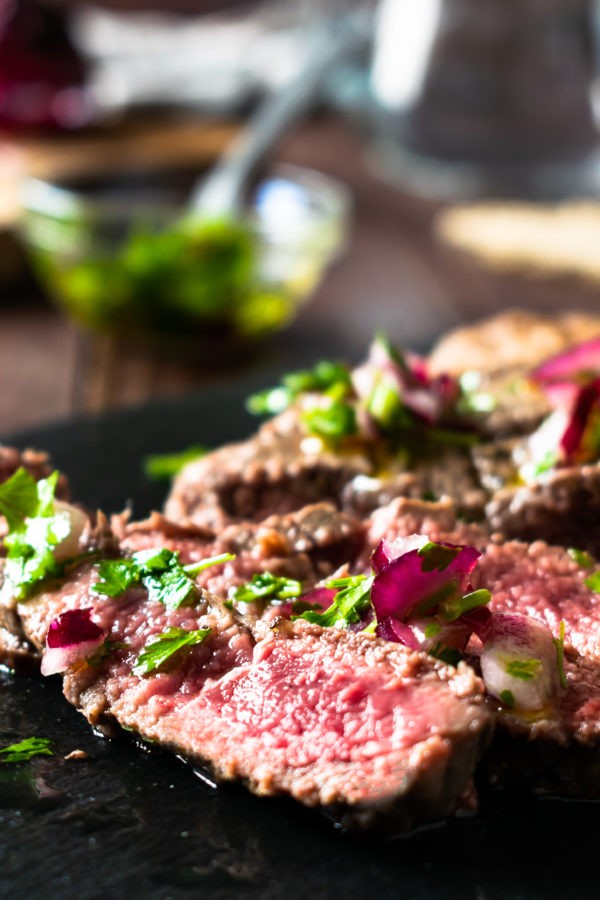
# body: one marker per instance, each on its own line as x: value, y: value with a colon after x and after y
x: 128, y: 822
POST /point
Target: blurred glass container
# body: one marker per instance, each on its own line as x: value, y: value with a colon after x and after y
x: 479, y: 96
x: 119, y: 255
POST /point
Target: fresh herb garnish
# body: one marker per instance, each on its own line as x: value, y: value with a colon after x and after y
x: 449, y: 655
x: 437, y: 557
x: 352, y: 600
x: 453, y: 609
x: 583, y: 559
x: 35, y: 530
x: 593, y: 582
x: 559, y: 643
x: 25, y: 750
x: 167, y: 465
x: 266, y: 586
x: 334, y: 421
x: 326, y: 377
x: 507, y: 698
x: 161, y: 648
x: 159, y: 571
x: 525, y: 669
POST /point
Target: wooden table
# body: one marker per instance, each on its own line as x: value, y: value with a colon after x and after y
x: 395, y: 276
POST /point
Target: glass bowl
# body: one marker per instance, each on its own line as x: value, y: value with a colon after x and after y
x: 121, y: 254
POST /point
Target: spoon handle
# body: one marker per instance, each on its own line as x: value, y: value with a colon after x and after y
x: 221, y: 194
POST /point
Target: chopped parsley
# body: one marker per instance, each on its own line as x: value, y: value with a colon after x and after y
x: 167, y: 465
x: 352, y: 600
x: 583, y: 559
x: 25, y: 750
x: 159, y: 571
x: 326, y: 377
x: 593, y: 582
x: 449, y: 655
x: 265, y: 586
x: 508, y: 698
x: 163, y: 647
x: 35, y: 529
x: 559, y: 643
x: 453, y: 609
x: 437, y: 557
x: 334, y: 421
x: 525, y: 669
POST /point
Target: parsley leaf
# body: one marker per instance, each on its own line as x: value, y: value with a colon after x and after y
x: 559, y: 643
x: 351, y: 601
x: 583, y: 559
x: 163, y: 647
x: 166, y: 465
x: 336, y: 420
x: 35, y: 529
x: 525, y: 669
x: 508, y: 698
x: 25, y: 750
x: 324, y: 377
x: 159, y: 571
x: 19, y: 498
x: 593, y: 582
x: 266, y: 586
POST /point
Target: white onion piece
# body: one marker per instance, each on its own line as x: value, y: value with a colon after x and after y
x: 453, y: 635
x: 519, y: 662
x: 73, y: 524
x: 59, y: 659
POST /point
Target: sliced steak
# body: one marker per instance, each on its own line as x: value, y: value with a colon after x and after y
x: 379, y: 736
x: 282, y: 469
x: 563, y: 508
x: 307, y: 545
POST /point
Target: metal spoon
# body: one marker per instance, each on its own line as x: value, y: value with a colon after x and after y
x: 221, y: 194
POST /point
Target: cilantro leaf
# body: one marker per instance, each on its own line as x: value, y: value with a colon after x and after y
x: 336, y: 420
x: 159, y: 571
x: 116, y: 576
x: 25, y: 750
x: 35, y: 529
x: 352, y: 600
x: 161, y: 648
x: 559, y: 643
x: 593, y: 582
x: 508, y: 698
x: 19, y: 498
x: 525, y: 669
x: 324, y: 377
x: 583, y: 559
x: 166, y: 465
x: 265, y: 586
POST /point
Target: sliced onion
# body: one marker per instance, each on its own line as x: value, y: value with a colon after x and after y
x: 583, y: 360
x: 519, y: 662
x: 76, y: 522
x: 386, y: 551
x: 391, y: 629
x: 72, y: 638
x: 405, y: 583
x: 573, y: 439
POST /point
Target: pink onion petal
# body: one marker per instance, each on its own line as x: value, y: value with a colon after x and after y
x: 404, y: 583
x: 454, y: 635
x: 581, y: 361
x: 386, y: 551
x: 73, y: 637
x: 73, y: 627
x: 479, y: 621
x: 586, y: 400
x: 519, y: 662
x: 391, y: 629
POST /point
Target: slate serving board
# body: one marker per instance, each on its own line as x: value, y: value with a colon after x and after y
x: 130, y: 822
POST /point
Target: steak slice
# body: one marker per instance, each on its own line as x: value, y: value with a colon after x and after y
x: 281, y: 469
x: 379, y: 736
x: 307, y: 545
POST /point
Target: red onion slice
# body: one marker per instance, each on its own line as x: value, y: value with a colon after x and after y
x: 577, y: 364
x: 72, y: 638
